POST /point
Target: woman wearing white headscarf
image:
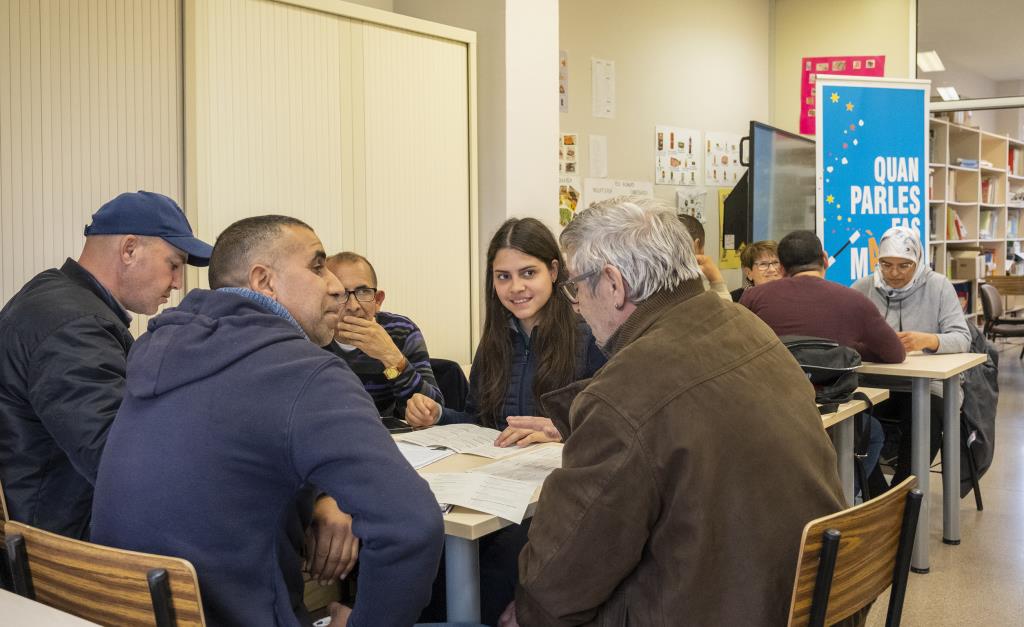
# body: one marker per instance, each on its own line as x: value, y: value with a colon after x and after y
x: 923, y: 308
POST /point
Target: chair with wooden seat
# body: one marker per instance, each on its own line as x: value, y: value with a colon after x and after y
x: 996, y: 323
x: 102, y: 584
x: 848, y: 558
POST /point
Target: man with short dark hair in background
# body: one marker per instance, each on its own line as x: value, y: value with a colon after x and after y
x: 64, y: 339
x: 805, y: 303
x: 231, y: 411
x: 711, y: 274
x: 385, y: 350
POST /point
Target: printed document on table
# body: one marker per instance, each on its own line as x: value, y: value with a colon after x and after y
x: 504, y: 498
x: 420, y: 456
x: 532, y: 467
x: 461, y: 438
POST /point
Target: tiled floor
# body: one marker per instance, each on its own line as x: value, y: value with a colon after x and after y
x: 981, y: 581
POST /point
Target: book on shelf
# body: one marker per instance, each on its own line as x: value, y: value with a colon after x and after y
x: 1012, y: 223
x: 951, y: 185
x: 964, y: 295
x: 988, y: 190
x: 1014, y: 160
x: 955, y: 229
x: 987, y: 225
x: 967, y: 163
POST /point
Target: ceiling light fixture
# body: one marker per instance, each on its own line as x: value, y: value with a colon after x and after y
x: 948, y: 93
x: 930, y: 62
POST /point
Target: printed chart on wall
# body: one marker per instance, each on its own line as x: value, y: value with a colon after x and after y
x: 811, y: 67
x: 677, y: 155
x: 596, y: 190
x: 568, y: 198
x: 568, y: 144
x: 871, y: 153
x: 722, y: 159
x: 728, y: 257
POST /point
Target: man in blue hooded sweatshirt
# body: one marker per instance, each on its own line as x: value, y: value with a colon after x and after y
x: 232, y: 411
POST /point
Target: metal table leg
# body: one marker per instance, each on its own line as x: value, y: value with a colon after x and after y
x: 843, y: 434
x: 951, y: 460
x: 462, y: 579
x: 919, y: 461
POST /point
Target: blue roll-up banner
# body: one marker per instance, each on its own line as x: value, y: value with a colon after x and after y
x: 872, y: 171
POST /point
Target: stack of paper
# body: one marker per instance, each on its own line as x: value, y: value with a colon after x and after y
x: 463, y: 438
x: 504, y: 498
x: 420, y: 456
x: 533, y: 466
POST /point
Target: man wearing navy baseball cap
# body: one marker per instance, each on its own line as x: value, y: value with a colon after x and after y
x: 64, y: 341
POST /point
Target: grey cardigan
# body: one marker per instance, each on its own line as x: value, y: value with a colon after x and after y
x: 931, y: 307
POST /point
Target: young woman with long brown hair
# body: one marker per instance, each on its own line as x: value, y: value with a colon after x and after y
x: 533, y: 342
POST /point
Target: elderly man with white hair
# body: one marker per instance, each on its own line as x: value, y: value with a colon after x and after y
x: 693, y: 458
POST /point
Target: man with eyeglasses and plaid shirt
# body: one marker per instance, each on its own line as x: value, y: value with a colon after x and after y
x: 385, y: 350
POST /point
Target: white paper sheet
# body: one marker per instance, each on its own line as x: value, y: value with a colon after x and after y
x: 462, y: 438
x: 504, y: 498
x: 420, y: 456
x: 602, y: 82
x: 533, y: 466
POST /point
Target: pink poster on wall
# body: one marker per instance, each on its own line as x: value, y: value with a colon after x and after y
x: 845, y: 66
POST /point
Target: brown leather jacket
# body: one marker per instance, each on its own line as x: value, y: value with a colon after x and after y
x: 696, y: 457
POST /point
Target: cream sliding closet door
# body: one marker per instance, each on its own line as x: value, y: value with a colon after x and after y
x: 417, y: 195
x: 90, y: 106
x: 358, y: 124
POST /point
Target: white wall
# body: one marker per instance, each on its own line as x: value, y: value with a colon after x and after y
x: 968, y: 85
x: 813, y: 28
x: 686, y: 63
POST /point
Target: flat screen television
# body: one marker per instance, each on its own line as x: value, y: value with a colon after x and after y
x: 776, y: 194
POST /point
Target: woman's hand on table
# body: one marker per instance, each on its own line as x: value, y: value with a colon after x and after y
x: 527, y: 430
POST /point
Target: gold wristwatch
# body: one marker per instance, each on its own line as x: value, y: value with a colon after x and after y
x: 391, y: 373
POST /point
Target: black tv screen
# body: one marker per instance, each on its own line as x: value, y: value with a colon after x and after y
x: 781, y: 193
x: 776, y: 194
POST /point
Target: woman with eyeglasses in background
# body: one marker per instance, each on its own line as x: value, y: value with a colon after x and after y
x: 760, y: 262
x: 533, y: 343
x: 923, y: 308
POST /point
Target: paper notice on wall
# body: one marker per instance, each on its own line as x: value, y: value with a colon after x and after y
x: 690, y: 201
x: 846, y: 66
x: 596, y: 190
x: 677, y: 155
x: 568, y: 144
x: 729, y: 257
x: 722, y: 159
x: 598, y: 145
x: 602, y: 81
x: 568, y: 198
x: 563, y: 81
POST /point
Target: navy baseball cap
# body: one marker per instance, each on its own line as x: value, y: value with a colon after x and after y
x: 152, y: 214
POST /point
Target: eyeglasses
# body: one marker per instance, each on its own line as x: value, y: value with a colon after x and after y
x: 570, y: 287
x: 764, y: 265
x: 362, y: 294
x: 906, y: 266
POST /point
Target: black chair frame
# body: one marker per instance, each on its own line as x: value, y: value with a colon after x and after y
x: 901, y: 569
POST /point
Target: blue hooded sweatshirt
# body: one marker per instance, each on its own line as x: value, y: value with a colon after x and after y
x: 229, y: 415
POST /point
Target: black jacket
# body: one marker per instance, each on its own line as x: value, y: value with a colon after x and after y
x: 63, y: 347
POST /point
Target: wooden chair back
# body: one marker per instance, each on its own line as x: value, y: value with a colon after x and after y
x: 102, y: 584
x: 847, y: 559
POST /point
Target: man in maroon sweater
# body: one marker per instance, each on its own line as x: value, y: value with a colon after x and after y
x: 804, y: 303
